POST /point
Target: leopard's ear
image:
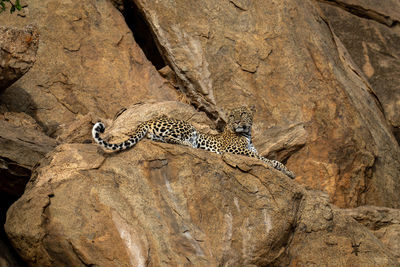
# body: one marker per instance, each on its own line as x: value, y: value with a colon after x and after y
x: 253, y: 108
x: 227, y: 111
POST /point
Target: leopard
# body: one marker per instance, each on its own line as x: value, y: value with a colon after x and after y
x: 235, y: 138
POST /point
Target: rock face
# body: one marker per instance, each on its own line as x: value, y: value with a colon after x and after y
x: 7, y: 258
x: 370, y: 32
x: 22, y: 145
x: 168, y: 205
x: 17, y: 53
x: 143, y: 207
x: 87, y: 62
x: 284, y: 58
x: 383, y: 222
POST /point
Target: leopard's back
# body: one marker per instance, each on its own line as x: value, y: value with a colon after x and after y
x: 224, y: 142
x: 162, y: 129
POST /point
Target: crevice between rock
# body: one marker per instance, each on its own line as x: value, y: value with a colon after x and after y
x: 147, y: 40
x: 142, y: 33
x: 8, y: 255
x: 363, y: 12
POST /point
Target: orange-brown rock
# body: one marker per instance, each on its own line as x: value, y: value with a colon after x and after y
x: 169, y: 205
x: 370, y: 32
x: 87, y: 61
x: 330, y: 238
x: 165, y: 205
x: 284, y: 58
x: 17, y: 53
x: 383, y: 222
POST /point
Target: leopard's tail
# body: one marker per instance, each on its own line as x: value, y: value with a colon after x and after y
x: 99, y: 128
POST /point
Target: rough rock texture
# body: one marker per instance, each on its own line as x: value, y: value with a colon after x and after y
x: 143, y: 207
x: 283, y: 57
x: 324, y: 237
x: 383, y: 222
x: 7, y: 258
x: 17, y: 53
x: 87, y: 61
x: 22, y: 145
x: 370, y: 30
x: 164, y: 205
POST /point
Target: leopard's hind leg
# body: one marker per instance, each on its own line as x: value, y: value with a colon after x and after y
x: 187, y: 139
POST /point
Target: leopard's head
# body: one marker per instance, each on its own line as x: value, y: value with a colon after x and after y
x: 240, y: 119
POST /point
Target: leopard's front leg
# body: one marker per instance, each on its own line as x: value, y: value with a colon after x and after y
x: 273, y: 163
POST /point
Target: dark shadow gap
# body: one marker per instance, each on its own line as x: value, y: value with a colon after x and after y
x: 396, y: 132
x: 363, y: 12
x: 142, y: 33
x: 13, y: 180
x: 7, y: 252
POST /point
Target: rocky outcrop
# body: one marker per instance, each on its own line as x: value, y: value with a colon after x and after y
x: 17, y: 53
x: 87, y: 62
x: 160, y: 204
x: 144, y: 207
x: 284, y: 58
x: 370, y: 32
x: 383, y: 222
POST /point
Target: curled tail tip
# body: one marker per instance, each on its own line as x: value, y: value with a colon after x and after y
x: 99, y: 127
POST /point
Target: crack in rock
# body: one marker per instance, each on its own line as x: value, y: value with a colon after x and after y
x: 363, y: 12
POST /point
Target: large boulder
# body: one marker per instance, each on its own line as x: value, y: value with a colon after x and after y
x: 87, y: 61
x: 311, y: 99
x: 17, y: 53
x: 369, y: 31
x: 164, y: 205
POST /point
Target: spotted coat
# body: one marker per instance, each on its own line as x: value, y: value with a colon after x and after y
x: 235, y: 139
x: 162, y: 129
